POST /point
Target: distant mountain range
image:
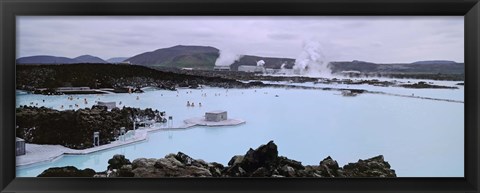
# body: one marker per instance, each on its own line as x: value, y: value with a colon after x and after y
x: 427, y: 67
x: 117, y: 59
x: 441, y: 62
x: 90, y: 59
x: 204, y: 57
x: 45, y: 59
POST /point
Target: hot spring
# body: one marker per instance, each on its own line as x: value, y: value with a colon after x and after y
x: 417, y: 137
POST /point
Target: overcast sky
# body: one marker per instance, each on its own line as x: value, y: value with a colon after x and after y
x: 373, y: 39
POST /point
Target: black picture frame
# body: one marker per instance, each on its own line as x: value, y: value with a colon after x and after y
x: 9, y: 9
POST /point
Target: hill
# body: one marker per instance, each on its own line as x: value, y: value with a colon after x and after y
x: 422, y: 67
x: 45, y: 59
x: 89, y: 59
x: 117, y: 59
x: 434, y: 62
x: 198, y: 57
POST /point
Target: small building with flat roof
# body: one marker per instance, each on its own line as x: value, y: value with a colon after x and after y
x: 20, y: 146
x: 216, y: 116
x: 109, y: 105
x: 255, y: 69
x: 62, y: 89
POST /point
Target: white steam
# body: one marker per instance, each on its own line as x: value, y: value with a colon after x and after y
x: 312, y: 61
x: 260, y: 63
x: 227, y: 58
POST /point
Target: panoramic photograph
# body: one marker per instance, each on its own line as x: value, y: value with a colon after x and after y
x: 240, y: 96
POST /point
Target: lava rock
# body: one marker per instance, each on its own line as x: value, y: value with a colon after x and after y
x: 373, y: 167
x: 287, y: 171
x: 261, y: 172
x: 263, y: 156
x: 235, y: 160
x: 117, y: 162
x: 74, y: 128
x: 292, y: 163
x: 67, y: 171
x: 329, y: 167
x: 185, y: 159
x: 261, y: 162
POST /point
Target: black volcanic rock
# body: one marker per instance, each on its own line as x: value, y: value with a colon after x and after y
x: 373, y: 167
x: 44, y: 59
x: 329, y: 167
x: 114, y: 76
x: 261, y: 162
x: 74, y: 128
x: 292, y: 163
x: 89, y: 59
x: 117, y: 162
x: 264, y: 156
x: 199, y: 57
x: 67, y: 171
x: 423, y: 84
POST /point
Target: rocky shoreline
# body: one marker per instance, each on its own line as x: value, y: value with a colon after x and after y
x: 261, y: 162
x: 74, y: 128
x: 423, y: 84
x: 45, y: 79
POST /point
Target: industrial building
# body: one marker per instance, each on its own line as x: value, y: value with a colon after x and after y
x: 351, y: 73
x: 221, y: 68
x: 272, y: 71
x: 216, y: 116
x: 255, y: 69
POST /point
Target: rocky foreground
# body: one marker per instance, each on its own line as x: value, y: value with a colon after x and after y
x: 261, y: 162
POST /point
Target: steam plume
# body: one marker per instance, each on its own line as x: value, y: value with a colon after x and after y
x: 260, y: 63
x: 227, y: 58
x: 312, y: 61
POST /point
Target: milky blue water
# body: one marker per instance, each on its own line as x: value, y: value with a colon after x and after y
x: 419, y: 138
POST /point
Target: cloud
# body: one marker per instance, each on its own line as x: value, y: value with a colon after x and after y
x: 368, y: 38
x: 376, y: 44
x: 282, y: 36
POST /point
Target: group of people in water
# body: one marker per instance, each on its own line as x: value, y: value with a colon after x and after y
x: 189, y: 104
x: 85, y: 101
x: 192, y: 104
